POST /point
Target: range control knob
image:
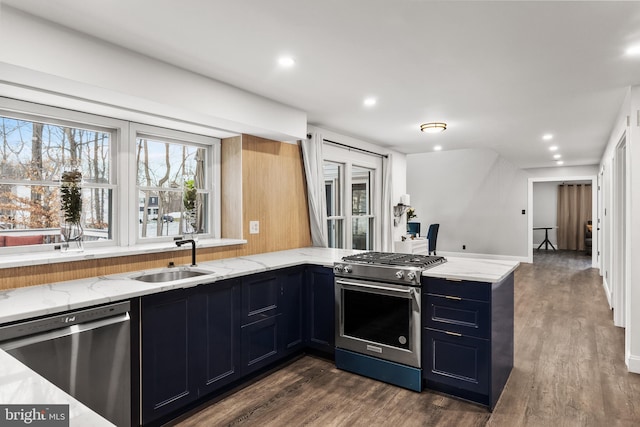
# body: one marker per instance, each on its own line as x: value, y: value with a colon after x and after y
x: 338, y: 268
x: 347, y: 269
x: 400, y: 274
x: 411, y: 275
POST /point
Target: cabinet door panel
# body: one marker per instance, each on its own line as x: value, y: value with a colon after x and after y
x: 467, y: 317
x: 220, y: 320
x: 259, y: 344
x: 457, y: 361
x: 260, y: 294
x: 292, y: 282
x: 321, y: 309
x: 167, y: 380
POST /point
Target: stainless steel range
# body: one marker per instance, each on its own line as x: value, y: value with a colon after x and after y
x: 378, y: 301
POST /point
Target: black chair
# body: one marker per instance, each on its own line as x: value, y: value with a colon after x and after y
x: 432, y: 235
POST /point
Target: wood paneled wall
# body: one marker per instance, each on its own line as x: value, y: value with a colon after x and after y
x: 273, y: 192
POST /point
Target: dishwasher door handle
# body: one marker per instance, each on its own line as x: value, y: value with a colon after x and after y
x: 63, y: 332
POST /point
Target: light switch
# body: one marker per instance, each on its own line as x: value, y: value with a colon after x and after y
x: 254, y: 227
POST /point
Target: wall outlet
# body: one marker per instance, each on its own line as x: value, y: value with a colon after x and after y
x: 254, y: 227
x: 464, y: 247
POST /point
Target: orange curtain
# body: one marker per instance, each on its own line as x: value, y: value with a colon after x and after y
x: 574, y: 210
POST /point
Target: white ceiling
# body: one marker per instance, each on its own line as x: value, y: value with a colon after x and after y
x: 501, y: 74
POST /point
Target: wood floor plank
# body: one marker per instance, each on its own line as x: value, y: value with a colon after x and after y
x: 568, y: 371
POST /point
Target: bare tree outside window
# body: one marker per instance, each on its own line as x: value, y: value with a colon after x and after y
x: 33, y: 156
x: 164, y: 169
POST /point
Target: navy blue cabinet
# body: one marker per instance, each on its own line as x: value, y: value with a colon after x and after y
x: 169, y: 347
x: 467, y: 338
x: 217, y: 323
x: 321, y: 309
x: 292, y: 286
x: 195, y: 341
x: 260, y: 320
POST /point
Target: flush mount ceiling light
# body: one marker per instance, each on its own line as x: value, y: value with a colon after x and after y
x: 553, y: 148
x: 369, y: 102
x: 437, y: 148
x: 286, y: 61
x: 559, y: 163
x: 547, y: 137
x: 633, y: 50
x: 557, y: 156
x: 433, y: 127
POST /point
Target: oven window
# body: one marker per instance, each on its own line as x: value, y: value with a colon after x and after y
x: 377, y: 318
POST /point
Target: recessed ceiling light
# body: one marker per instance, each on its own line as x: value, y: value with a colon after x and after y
x: 557, y: 156
x: 559, y: 162
x: 286, y: 61
x: 370, y: 102
x: 633, y: 50
x: 547, y: 137
x: 553, y: 148
x: 433, y: 127
x: 437, y: 148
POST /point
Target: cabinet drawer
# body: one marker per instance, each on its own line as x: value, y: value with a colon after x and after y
x: 467, y: 317
x: 480, y: 291
x: 456, y: 361
x: 259, y: 344
x: 260, y: 294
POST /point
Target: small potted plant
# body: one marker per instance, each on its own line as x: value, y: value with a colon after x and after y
x: 189, y: 202
x: 71, y: 229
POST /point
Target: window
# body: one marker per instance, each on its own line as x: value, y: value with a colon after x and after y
x: 34, y: 152
x: 335, y: 217
x: 361, y: 212
x: 164, y: 184
x: 353, y: 183
x: 173, y: 175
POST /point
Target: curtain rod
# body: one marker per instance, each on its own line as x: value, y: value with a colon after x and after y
x: 352, y: 148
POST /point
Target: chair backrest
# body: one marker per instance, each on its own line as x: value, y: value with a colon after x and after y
x: 432, y: 235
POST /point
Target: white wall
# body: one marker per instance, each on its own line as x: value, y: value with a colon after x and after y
x: 476, y: 196
x: 545, y: 211
x: 44, y: 62
x: 627, y: 124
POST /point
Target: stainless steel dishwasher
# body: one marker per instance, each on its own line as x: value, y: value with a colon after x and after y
x: 86, y: 353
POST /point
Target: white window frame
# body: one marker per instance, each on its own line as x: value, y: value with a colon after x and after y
x: 123, y: 168
x: 212, y: 177
x: 349, y: 158
x: 23, y: 110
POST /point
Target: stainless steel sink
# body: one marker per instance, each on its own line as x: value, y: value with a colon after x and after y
x: 170, y: 276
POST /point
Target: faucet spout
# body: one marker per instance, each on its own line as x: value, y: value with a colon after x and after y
x: 193, y: 249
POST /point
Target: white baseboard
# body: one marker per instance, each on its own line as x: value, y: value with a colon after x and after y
x: 484, y: 256
x: 633, y: 363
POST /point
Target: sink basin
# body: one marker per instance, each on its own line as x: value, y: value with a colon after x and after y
x: 170, y: 276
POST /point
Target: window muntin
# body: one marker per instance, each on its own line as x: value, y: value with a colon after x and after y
x: 168, y: 172
x: 33, y: 154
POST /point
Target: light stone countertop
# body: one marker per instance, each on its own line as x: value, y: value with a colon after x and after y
x: 19, y: 384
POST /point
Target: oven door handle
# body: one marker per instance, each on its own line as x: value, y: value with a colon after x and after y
x: 355, y: 286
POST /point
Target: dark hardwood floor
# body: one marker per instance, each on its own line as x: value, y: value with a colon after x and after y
x: 569, y: 371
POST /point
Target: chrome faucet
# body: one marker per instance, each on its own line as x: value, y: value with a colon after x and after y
x: 193, y: 249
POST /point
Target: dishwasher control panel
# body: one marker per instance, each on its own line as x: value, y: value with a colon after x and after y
x: 57, y: 321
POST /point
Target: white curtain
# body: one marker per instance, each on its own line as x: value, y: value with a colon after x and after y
x: 312, y: 156
x: 386, y: 217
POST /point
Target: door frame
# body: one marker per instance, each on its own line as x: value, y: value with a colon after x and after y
x: 594, y: 210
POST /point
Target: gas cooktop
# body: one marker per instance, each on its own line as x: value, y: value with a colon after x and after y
x: 395, y: 259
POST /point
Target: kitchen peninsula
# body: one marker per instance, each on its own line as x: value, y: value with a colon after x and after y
x: 25, y: 303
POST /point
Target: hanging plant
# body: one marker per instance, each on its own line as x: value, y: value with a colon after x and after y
x: 71, y: 194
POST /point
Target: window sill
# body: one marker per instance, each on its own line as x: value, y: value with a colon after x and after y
x: 43, y: 258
